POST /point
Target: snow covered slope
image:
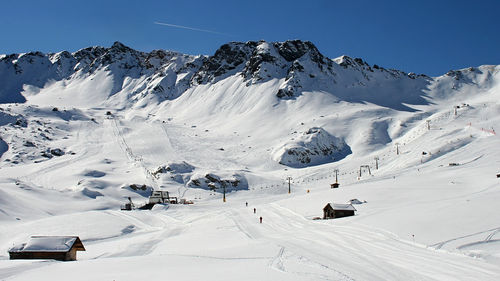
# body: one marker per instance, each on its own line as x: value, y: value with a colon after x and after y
x: 80, y: 132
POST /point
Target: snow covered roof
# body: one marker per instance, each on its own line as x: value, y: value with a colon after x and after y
x: 342, y: 207
x: 49, y: 244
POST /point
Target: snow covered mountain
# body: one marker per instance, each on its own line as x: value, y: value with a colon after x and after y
x: 163, y: 75
x: 96, y: 126
x: 255, y: 77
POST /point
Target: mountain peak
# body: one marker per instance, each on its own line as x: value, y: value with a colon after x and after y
x: 294, y: 49
x: 295, y: 66
x: 118, y: 46
x: 249, y: 57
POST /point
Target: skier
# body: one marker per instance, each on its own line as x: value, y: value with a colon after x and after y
x: 260, y: 219
x: 246, y: 203
x: 254, y: 210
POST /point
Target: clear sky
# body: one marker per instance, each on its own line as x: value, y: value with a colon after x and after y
x: 421, y: 36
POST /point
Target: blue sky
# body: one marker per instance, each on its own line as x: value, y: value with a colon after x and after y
x: 422, y: 36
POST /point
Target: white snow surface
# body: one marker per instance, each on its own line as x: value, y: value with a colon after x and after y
x: 46, y: 244
x: 430, y: 210
x: 345, y: 207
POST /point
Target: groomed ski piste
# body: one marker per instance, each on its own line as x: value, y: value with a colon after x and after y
x: 428, y: 212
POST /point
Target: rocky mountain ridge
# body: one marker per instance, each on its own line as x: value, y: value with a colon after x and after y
x: 168, y: 74
x: 247, y: 80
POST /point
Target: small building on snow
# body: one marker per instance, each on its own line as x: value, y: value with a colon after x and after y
x: 161, y: 197
x: 333, y: 210
x: 61, y: 248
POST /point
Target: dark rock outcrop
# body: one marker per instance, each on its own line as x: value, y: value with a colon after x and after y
x: 314, y: 147
x: 217, y: 183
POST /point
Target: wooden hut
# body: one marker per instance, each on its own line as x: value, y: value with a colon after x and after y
x: 334, y: 185
x: 61, y: 248
x: 333, y: 211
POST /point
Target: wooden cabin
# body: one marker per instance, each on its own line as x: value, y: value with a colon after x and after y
x: 61, y: 248
x: 334, y: 211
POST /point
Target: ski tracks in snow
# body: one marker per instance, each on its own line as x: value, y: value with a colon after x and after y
x: 492, y: 232
x: 277, y: 261
x: 141, y: 237
x: 350, y: 253
x: 92, y: 145
x: 242, y: 222
x: 19, y: 268
x: 304, y: 261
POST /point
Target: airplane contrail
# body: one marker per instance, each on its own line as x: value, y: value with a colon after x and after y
x: 190, y: 28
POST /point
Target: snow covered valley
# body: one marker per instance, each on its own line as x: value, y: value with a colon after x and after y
x: 82, y: 132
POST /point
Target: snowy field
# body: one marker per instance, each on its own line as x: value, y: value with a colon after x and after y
x: 429, y: 210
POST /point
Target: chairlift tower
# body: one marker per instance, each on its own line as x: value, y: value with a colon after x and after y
x: 336, y: 184
x: 364, y: 166
x: 224, y: 191
x: 289, y: 178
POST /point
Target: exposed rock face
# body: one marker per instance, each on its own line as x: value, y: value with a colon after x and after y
x: 227, y: 58
x: 140, y: 189
x: 176, y: 168
x: 156, y: 76
x: 295, y: 49
x: 26, y: 139
x: 178, y: 172
x: 363, y: 68
x: 57, y: 152
x: 314, y: 147
x: 295, y: 61
x: 216, y: 183
x: 162, y: 67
